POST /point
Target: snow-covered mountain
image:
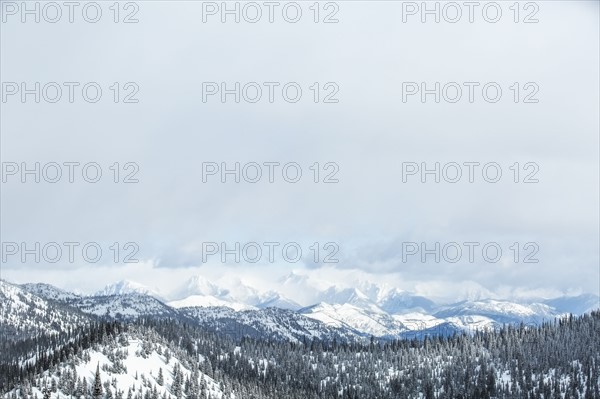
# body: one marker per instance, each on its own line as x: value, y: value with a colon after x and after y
x: 123, y: 300
x: 49, y: 292
x: 24, y: 314
x: 334, y: 295
x: 271, y: 323
x: 397, y: 302
x: 363, y: 310
x: 150, y: 359
x: 207, y: 301
x: 467, y: 316
x: 125, y: 287
x: 274, y: 300
x: 579, y: 304
x: 198, y: 285
x: 368, y: 321
x: 125, y: 306
x: 498, y: 312
x: 198, y: 291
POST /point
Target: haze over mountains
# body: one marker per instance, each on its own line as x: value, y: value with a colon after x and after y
x: 366, y: 309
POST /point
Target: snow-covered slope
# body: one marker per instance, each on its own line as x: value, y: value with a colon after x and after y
x: 128, y: 306
x: 270, y: 323
x: 133, y: 363
x: 24, y: 314
x: 463, y: 316
x: 498, y: 312
x: 353, y: 296
x: 274, y: 300
x: 49, y: 292
x: 371, y: 321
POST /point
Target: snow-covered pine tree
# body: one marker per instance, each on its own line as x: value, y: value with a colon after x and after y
x: 160, y: 379
x: 97, y: 390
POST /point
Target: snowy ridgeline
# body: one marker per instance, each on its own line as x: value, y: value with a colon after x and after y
x: 347, y: 314
x: 133, y: 366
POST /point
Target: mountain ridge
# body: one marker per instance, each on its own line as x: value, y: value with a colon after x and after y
x: 384, y: 312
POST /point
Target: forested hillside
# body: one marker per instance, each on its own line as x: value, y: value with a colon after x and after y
x: 168, y: 359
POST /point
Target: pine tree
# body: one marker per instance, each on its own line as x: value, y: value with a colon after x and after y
x: 160, y: 379
x: 97, y: 390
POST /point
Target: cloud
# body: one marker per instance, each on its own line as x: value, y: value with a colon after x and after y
x: 362, y: 141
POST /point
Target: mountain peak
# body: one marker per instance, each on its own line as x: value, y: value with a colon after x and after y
x: 199, y: 285
x: 124, y: 287
x: 48, y: 291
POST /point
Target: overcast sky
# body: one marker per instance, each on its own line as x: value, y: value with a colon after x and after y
x: 369, y: 133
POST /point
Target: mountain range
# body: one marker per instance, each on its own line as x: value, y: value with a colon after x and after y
x: 336, y: 312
